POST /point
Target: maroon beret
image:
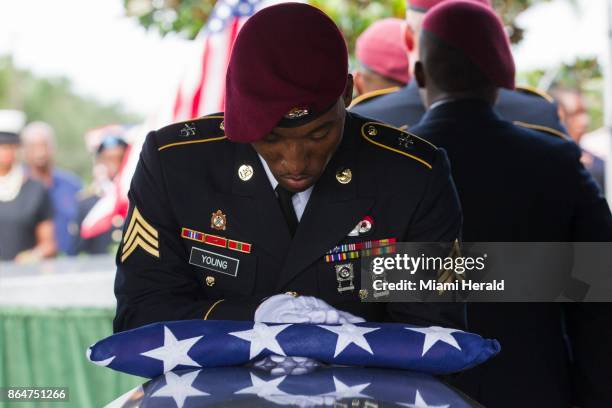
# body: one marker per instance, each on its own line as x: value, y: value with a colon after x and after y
x: 479, y: 33
x: 288, y: 66
x: 381, y: 48
x: 424, y: 5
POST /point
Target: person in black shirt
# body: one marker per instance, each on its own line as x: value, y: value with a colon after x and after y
x: 26, y: 215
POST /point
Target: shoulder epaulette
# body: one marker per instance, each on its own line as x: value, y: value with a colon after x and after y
x: 373, y: 94
x: 544, y: 129
x: 531, y: 90
x: 201, y: 130
x: 399, y: 141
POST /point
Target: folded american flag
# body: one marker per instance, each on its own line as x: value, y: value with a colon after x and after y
x: 155, y: 349
x: 330, y: 386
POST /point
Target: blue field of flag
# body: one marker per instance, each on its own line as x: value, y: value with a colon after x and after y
x: 152, y: 350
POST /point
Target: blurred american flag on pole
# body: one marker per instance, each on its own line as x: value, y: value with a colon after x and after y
x: 203, y: 86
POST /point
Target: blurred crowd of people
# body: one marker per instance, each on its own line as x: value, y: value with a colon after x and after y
x: 42, y: 206
x: 575, y: 117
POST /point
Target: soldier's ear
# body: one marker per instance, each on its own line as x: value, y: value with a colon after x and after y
x: 347, y: 96
x: 419, y: 74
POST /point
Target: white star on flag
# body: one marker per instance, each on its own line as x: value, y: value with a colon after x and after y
x: 263, y: 388
x: 343, y: 391
x: 179, y: 387
x: 419, y: 402
x: 349, y: 333
x: 173, y: 352
x: 261, y: 337
x: 434, y: 334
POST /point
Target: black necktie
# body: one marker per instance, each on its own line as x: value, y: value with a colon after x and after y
x: 286, y: 205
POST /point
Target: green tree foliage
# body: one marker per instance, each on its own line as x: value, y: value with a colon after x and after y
x: 584, y: 75
x: 187, y: 17
x: 171, y: 16
x: 52, y: 100
x: 354, y: 16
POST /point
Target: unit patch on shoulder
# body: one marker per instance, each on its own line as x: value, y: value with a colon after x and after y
x: 202, y: 130
x: 399, y: 141
x: 139, y: 234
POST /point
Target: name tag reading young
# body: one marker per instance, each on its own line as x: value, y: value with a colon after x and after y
x: 214, y: 262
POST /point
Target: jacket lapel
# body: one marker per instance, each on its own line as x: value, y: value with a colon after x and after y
x: 332, y: 211
x: 256, y: 208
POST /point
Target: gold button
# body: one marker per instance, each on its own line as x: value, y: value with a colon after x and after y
x: 210, y: 280
x: 245, y: 172
x: 222, y: 125
x: 372, y: 131
x: 292, y: 293
x: 363, y: 293
x: 344, y: 176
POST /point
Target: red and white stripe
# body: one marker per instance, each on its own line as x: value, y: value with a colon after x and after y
x: 203, y: 88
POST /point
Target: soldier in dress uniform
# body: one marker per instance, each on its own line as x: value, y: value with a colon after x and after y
x: 383, y: 61
x: 515, y: 185
x: 405, y: 109
x: 258, y: 203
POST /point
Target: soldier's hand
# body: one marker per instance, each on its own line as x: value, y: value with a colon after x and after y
x: 302, y: 309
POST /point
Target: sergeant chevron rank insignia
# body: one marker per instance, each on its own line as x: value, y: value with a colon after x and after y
x: 141, y: 234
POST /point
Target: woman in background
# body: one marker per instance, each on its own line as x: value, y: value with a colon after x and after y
x: 26, y: 215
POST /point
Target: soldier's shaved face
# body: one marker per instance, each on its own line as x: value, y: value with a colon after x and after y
x: 298, y: 156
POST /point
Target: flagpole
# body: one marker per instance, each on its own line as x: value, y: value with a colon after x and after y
x: 608, y: 103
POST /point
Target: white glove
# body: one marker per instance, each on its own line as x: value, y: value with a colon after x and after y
x: 302, y: 309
